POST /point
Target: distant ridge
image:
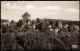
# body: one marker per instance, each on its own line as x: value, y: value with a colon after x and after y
x: 69, y: 22
x: 4, y: 20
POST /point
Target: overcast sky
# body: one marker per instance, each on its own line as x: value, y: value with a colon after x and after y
x: 66, y: 10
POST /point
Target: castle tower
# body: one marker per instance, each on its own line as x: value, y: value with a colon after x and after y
x: 26, y: 18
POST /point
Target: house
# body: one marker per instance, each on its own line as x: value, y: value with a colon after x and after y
x: 76, y: 28
x: 65, y: 26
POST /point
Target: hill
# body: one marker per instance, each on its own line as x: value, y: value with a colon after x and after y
x: 65, y: 21
x: 4, y: 20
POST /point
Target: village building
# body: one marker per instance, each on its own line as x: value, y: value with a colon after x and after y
x: 65, y: 26
x: 50, y: 26
x: 76, y: 28
x: 56, y: 30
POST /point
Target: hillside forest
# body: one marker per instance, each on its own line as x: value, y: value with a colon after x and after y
x: 39, y: 35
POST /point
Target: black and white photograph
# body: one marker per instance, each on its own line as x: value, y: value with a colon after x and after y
x: 40, y: 26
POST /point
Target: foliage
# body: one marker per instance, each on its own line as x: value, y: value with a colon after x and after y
x: 37, y: 20
x: 19, y: 23
x: 12, y: 21
x: 28, y: 39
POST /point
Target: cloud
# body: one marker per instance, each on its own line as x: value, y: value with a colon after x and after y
x: 49, y: 11
x: 19, y: 7
x: 52, y: 8
x: 71, y: 10
x: 11, y: 6
x: 43, y: 8
x: 32, y: 7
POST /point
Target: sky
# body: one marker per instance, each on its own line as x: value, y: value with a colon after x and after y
x: 65, y: 10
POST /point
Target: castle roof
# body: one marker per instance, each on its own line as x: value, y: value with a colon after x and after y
x: 26, y: 14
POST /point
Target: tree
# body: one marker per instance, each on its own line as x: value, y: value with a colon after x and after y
x: 12, y: 23
x: 19, y: 23
x: 4, y: 28
x: 37, y: 20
